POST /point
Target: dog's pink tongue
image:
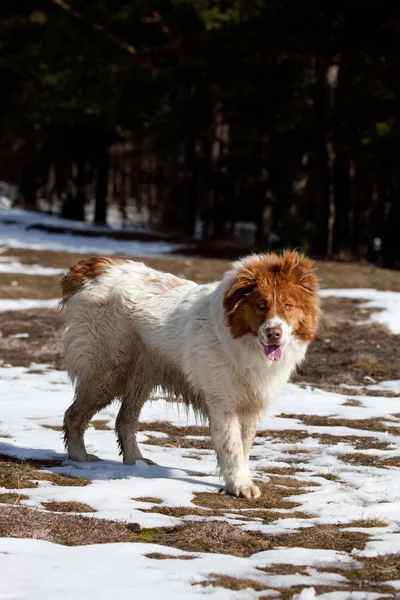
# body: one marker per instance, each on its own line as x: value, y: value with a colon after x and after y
x: 273, y: 351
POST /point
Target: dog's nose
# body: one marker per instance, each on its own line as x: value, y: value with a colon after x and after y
x: 274, y: 334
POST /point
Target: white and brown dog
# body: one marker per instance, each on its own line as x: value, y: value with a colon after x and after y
x: 225, y: 348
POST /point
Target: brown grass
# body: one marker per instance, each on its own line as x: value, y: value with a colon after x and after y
x: 212, y: 536
x: 53, y: 427
x: 70, y: 530
x: 352, y: 402
x: 180, y: 442
x: 100, y: 424
x: 79, y: 507
x: 366, y: 523
x: 323, y: 537
x: 17, y: 285
x: 232, y: 583
x: 351, y: 355
x: 44, y: 344
x: 372, y: 424
x: 292, y: 436
x: 12, y: 498
x: 371, y: 460
x: 272, y: 496
x: 159, y: 556
x: 149, y: 499
x: 19, y: 474
x: 173, y: 430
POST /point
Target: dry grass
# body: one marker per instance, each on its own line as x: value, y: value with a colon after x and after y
x: 371, y: 460
x: 352, y: 402
x: 159, y: 556
x: 17, y: 285
x: 70, y: 530
x: 272, y: 496
x: 12, y: 498
x: 323, y: 537
x: 284, y: 569
x: 78, y: 507
x: 232, y: 583
x: 20, y: 474
x: 211, y: 536
x: 293, y: 436
x: 373, y: 424
x: 44, y: 344
x: 180, y: 442
x: 149, y: 499
x: 365, y: 523
x: 173, y: 430
x: 53, y: 427
x: 100, y: 425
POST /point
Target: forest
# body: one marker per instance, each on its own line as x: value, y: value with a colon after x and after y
x: 207, y: 115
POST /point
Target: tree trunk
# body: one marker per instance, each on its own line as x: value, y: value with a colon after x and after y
x: 28, y: 178
x: 102, y: 166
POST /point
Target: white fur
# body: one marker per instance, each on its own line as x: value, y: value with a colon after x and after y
x: 122, y: 332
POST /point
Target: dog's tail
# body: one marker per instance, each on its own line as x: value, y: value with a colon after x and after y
x: 81, y: 272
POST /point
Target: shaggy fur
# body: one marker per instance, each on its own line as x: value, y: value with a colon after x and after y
x: 225, y: 348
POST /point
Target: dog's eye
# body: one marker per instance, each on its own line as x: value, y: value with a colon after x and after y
x: 288, y: 306
x: 262, y: 305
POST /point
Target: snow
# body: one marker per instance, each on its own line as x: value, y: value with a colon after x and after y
x: 33, y: 401
x: 17, y: 231
x: 8, y: 265
x: 361, y: 493
x: 387, y: 303
x: 25, y: 304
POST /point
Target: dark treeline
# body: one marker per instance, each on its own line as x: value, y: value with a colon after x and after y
x: 284, y: 114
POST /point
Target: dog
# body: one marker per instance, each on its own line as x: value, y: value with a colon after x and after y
x: 224, y: 348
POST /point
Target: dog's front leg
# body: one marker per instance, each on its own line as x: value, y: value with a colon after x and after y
x: 226, y: 432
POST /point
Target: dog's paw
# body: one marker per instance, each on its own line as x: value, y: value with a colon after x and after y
x: 246, y: 490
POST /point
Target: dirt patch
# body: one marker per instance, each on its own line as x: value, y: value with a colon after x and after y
x: 44, y: 344
x: 292, y: 436
x: 365, y: 349
x: 372, y: 424
x: 272, y: 496
x: 38, y: 287
x: 180, y: 442
x: 211, y: 536
x: 78, y: 507
x: 323, y: 537
x: 284, y: 569
x: 232, y: 583
x: 365, y: 523
x: 352, y: 402
x: 173, y: 430
x: 20, y: 474
x: 332, y: 274
x: 70, y: 530
x: 12, y: 498
x: 53, y: 427
x: 371, y: 460
x: 159, y: 556
x: 100, y: 425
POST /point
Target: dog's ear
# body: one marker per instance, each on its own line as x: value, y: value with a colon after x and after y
x: 303, y: 271
x: 241, y: 287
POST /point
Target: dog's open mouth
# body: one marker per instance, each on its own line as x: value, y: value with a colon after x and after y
x: 274, y: 351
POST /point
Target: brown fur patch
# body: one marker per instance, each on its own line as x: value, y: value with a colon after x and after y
x: 285, y: 286
x: 84, y: 270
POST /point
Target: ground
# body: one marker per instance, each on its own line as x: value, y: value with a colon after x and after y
x: 327, y: 458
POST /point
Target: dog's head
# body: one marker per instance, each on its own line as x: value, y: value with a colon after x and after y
x: 273, y: 297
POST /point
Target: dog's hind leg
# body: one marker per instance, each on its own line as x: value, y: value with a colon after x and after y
x: 138, y: 390
x: 88, y: 401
